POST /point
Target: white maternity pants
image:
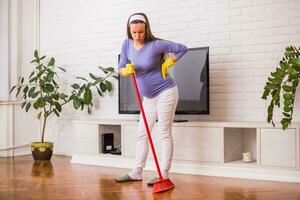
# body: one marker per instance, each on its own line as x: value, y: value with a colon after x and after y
x: 161, y: 108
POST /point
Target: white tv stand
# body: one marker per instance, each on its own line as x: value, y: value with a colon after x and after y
x: 204, y: 148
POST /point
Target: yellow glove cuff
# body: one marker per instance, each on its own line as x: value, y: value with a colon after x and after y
x: 164, y: 67
x: 129, y: 69
x: 168, y: 63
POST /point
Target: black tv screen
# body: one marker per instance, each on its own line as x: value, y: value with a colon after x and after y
x: 191, y: 75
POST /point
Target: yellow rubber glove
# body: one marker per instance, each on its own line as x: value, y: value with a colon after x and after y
x: 165, y: 66
x: 129, y: 69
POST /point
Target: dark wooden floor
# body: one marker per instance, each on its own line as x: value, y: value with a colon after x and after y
x: 22, y: 178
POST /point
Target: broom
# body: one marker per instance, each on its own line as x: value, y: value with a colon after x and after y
x: 162, y: 184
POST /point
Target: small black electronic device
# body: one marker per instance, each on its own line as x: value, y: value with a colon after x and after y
x: 107, y: 142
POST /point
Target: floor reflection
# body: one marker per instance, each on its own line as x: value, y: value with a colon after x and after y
x: 42, y: 168
x: 239, y: 194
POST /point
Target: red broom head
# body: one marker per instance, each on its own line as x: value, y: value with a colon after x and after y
x: 162, y: 185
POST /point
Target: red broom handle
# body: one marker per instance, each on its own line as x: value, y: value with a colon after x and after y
x: 146, y: 124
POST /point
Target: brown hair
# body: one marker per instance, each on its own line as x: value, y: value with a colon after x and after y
x: 148, y: 35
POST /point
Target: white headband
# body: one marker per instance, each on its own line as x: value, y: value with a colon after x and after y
x: 137, y: 17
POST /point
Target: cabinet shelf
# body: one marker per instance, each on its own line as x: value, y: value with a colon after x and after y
x: 115, y: 130
x: 237, y: 141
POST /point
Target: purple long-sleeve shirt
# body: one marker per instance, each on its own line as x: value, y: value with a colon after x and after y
x: 147, y: 63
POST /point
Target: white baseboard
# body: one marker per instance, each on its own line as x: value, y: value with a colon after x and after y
x: 21, y: 151
x: 196, y: 169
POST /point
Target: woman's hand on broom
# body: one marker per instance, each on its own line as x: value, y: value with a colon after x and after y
x: 127, y: 70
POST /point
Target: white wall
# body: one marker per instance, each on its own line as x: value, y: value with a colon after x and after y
x: 246, y: 39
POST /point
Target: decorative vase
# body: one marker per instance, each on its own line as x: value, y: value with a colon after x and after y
x: 42, y: 150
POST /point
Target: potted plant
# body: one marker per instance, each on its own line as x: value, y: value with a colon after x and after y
x: 42, y: 92
x: 283, y: 83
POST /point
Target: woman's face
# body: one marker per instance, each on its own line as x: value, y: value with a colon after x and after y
x: 138, y: 32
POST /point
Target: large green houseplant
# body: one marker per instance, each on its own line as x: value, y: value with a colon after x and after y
x: 42, y: 92
x: 283, y: 83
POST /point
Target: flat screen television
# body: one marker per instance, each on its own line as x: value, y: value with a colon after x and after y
x: 191, y: 75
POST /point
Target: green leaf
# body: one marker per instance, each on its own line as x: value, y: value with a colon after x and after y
x: 285, y: 123
x: 62, y: 69
x: 39, y: 115
x: 295, y: 83
x: 287, y: 88
x: 55, y: 96
x: 296, y: 63
x: 12, y: 88
x: 63, y: 96
x: 286, y: 114
x: 287, y: 109
x: 31, y: 91
x: 50, y: 76
x: 18, y: 91
x: 57, y: 106
x: 36, y: 54
x: 287, y: 96
x: 99, y: 92
x: 27, y: 107
x: 75, y: 86
x: 108, y: 85
x: 292, y: 71
x: 42, y: 57
x: 265, y: 94
x: 103, y: 69
x: 41, y: 73
x: 35, y: 60
x: 103, y: 87
x: 76, y: 102
x: 35, y: 105
x: 51, y: 62
x: 54, y: 82
x: 288, y: 102
x: 93, y: 76
x: 82, y: 88
x: 284, y: 64
x: 40, y: 102
x: 87, y: 97
x: 276, y: 82
x: 71, y: 97
x: 110, y: 69
x: 25, y: 90
x: 270, y: 108
x: 35, y: 94
x: 281, y: 72
x: 32, y: 73
x: 49, y: 87
x: 49, y: 100
x: 270, y: 111
x: 82, y: 79
x: 56, y: 113
x: 275, y: 93
x: 34, y: 79
x: 40, y: 67
x: 23, y: 104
